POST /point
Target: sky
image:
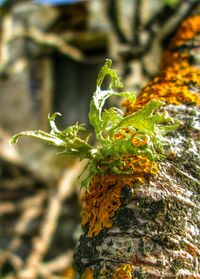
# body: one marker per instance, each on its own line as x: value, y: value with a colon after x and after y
x: 51, y: 2
x: 55, y: 1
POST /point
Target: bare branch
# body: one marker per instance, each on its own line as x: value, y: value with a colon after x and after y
x: 42, y: 242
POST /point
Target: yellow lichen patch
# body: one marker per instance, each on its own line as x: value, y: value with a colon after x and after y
x: 123, y: 272
x: 175, y: 60
x: 187, y: 31
x: 174, y: 85
x: 140, y: 166
x: 137, y: 138
x: 103, y: 200
x: 123, y: 133
x: 69, y: 273
x: 88, y: 274
x: 169, y: 90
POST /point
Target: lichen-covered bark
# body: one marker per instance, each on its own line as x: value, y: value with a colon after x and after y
x: 154, y: 230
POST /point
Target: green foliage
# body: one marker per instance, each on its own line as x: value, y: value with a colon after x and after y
x: 101, y: 120
x: 68, y: 139
x: 141, y: 133
x: 172, y: 3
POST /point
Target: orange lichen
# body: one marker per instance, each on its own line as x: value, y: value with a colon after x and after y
x: 88, y: 274
x: 101, y: 203
x: 137, y: 138
x: 123, y: 133
x: 124, y: 271
x: 69, y: 273
x: 174, y: 85
x: 187, y: 31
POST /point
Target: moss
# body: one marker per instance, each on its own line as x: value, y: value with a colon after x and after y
x: 176, y: 213
x: 189, y: 184
x: 163, y: 216
x: 146, y: 246
x: 126, y: 194
x: 149, y: 209
x: 103, y: 270
x: 139, y: 274
x: 105, y: 273
x: 86, y: 251
x: 125, y: 219
x: 178, y: 264
x: 189, y: 160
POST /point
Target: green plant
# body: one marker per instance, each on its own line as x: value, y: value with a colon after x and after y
x: 172, y: 3
x: 141, y: 133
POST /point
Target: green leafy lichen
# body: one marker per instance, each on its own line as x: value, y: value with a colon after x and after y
x: 141, y: 133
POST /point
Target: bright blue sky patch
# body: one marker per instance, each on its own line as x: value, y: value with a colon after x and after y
x: 55, y: 2
x: 2, y: 2
x: 48, y: 2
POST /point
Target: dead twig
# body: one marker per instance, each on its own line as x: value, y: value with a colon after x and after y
x: 57, y: 265
x: 42, y: 242
x: 10, y: 207
x: 49, y: 39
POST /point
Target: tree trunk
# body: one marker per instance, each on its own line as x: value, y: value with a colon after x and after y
x: 149, y: 228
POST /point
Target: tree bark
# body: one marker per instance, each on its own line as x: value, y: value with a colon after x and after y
x: 151, y: 229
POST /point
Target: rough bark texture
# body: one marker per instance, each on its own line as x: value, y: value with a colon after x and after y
x: 154, y: 232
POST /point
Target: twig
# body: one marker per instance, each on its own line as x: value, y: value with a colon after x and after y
x: 48, y: 40
x: 136, y: 23
x: 57, y: 265
x: 22, y: 224
x: 42, y: 242
x: 113, y: 13
x: 15, y: 260
x: 27, y: 216
x: 10, y: 207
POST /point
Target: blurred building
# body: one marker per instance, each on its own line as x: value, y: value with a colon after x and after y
x: 49, y: 60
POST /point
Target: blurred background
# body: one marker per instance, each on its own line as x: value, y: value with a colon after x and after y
x: 50, y: 54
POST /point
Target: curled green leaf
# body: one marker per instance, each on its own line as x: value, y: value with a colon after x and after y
x: 141, y: 133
